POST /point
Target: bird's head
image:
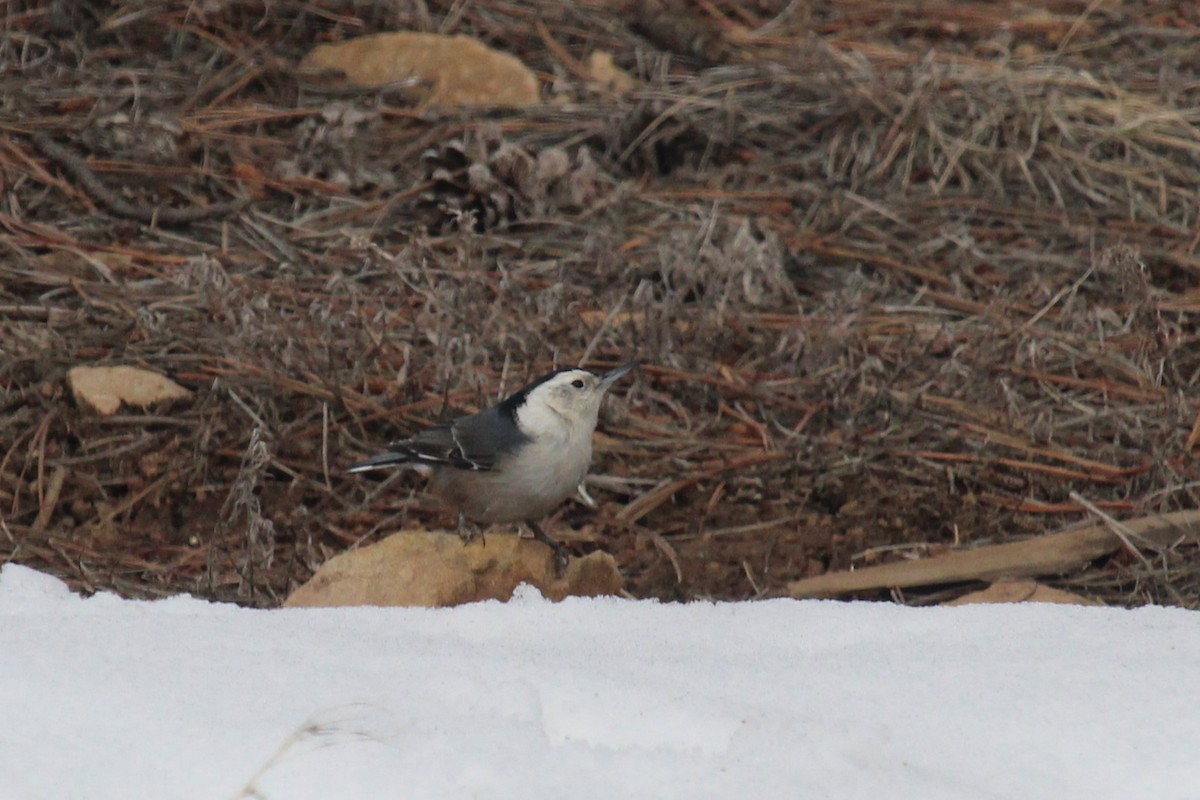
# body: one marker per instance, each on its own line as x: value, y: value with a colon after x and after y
x: 572, y: 394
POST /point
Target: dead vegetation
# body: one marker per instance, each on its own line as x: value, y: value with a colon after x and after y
x: 906, y: 278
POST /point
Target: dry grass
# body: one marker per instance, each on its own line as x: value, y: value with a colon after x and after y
x: 905, y: 278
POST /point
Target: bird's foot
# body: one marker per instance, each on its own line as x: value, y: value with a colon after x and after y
x: 561, y: 557
x: 469, y: 531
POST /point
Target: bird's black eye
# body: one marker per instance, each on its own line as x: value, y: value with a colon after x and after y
x: 577, y: 383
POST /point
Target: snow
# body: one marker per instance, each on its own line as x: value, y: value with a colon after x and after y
x: 602, y: 698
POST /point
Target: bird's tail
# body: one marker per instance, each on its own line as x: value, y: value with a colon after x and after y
x: 395, y: 458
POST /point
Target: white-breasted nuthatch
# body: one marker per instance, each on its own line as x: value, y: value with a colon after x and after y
x: 516, y: 461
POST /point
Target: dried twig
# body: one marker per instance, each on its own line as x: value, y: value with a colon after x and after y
x: 78, y: 169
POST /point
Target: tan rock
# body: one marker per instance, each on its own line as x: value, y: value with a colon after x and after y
x: 461, y: 71
x: 1020, y: 592
x: 106, y: 388
x: 432, y: 569
x: 604, y: 72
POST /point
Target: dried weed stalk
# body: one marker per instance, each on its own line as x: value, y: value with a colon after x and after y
x: 243, y: 512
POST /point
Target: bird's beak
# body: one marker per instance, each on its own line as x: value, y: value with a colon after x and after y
x: 612, y: 377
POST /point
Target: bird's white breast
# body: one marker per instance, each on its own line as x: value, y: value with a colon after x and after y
x: 558, y: 456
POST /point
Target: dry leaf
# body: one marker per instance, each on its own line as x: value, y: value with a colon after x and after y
x: 607, y: 75
x: 105, y: 388
x: 461, y: 70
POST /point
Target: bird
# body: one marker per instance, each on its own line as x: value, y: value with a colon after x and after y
x: 513, y: 462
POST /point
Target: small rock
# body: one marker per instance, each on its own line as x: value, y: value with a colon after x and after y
x: 1020, y: 592
x: 105, y: 388
x: 461, y: 71
x: 434, y: 569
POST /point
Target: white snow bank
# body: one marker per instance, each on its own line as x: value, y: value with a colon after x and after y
x: 107, y: 698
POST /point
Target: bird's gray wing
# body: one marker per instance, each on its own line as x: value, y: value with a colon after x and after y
x: 477, y: 442
x: 434, y: 445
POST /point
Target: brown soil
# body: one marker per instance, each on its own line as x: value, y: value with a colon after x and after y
x: 905, y: 277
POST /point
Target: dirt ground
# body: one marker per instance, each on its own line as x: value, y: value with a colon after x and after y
x: 904, y: 278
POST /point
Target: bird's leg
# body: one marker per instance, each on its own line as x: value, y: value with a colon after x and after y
x: 467, y: 531
x: 561, y: 556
